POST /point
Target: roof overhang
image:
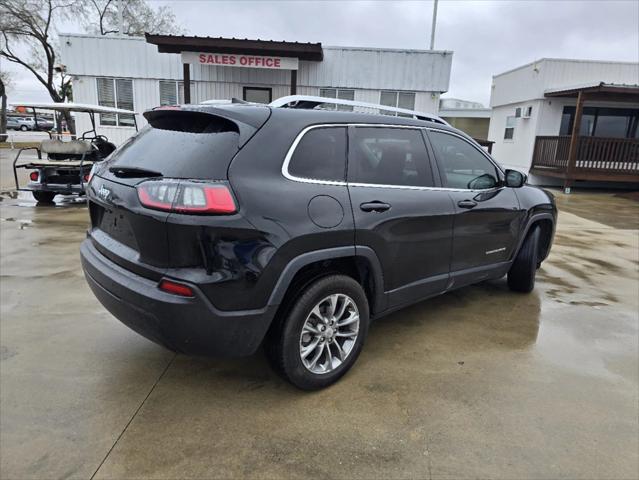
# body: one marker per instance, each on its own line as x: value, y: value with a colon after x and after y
x: 598, y: 91
x: 72, y: 107
x: 180, y: 43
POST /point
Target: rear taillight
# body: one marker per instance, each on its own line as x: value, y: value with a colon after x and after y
x: 34, y: 176
x: 86, y: 177
x: 181, y: 196
x: 176, y: 288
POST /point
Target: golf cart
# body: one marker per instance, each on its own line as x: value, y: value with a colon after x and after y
x: 65, y: 170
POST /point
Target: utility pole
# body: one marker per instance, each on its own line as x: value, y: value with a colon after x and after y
x: 120, y: 18
x: 432, y: 30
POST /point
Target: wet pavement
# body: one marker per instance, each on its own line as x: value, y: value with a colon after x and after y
x: 480, y: 382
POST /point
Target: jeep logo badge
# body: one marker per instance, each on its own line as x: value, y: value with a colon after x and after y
x: 104, y: 192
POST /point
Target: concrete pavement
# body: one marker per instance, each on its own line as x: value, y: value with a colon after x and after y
x: 480, y: 382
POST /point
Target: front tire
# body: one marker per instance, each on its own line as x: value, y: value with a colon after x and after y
x: 24, y: 128
x: 323, y: 333
x: 521, y: 276
x: 44, y: 197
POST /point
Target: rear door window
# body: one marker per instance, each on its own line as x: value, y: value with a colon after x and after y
x: 320, y: 155
x: 389, y: 156
x: 463, y: 165
x: 182, y: 145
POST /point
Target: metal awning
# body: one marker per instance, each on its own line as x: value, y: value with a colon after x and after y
x: 181, y: 43
x: 601, y: 90
x: 72, y: 107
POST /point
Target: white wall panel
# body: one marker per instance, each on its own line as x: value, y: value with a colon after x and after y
x: 367, y: 71
x: 532, y: 80
x: 132, y: 57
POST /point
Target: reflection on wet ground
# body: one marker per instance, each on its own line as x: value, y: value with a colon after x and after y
x: 480, y: 382
x: 614, y: 209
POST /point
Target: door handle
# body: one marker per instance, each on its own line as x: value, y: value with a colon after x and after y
x: 467, y: 204
x: 374, y: 206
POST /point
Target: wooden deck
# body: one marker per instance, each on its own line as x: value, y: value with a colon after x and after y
x: 596, y: 159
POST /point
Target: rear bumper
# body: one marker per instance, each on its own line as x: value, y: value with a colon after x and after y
x: 64, y: 189
x: 186, y: 325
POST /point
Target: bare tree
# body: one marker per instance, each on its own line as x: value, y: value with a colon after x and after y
x: 28, y: 39
x: 138, y: 17
x: 28, y: 35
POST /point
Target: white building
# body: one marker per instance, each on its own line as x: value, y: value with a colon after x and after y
x: 533, y: 111
x: 142, y: 73
x: 459, y: 104
x: 470, y: 117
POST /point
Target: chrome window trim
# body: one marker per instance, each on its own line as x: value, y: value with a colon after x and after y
x: 291, y: 150
x: 298, y: 138
x: 411, y: 187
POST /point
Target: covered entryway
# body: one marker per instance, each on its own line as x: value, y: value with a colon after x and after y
x: 238, y: 53
x: 596, y: 143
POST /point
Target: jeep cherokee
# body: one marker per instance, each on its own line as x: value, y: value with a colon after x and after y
x: 218, y: 228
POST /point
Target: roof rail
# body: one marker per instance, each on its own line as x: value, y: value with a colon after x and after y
x: 310, y: 102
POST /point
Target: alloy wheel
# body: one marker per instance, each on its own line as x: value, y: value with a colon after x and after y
x: 329, y: 333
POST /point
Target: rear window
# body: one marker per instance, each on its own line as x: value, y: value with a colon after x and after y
x: 182, y: 145
x: 320, y: 155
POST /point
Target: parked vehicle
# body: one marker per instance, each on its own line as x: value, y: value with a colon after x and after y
x: 12, y: 123
x: 66, y: 169
x: 44, y: 124
x: 219, y: 228
x: 20, y: 123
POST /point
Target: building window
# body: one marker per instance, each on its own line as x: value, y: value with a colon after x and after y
x: 171, y: 93
x: 339, y: 93
x: 602, y: 122
x: 509, y: 131
x: 257, y: 94
x: 397, y: 99
x: 118, y: 93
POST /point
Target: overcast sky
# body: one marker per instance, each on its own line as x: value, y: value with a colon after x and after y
x: 487, y: 37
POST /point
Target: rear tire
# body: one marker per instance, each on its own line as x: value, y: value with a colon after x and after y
x: 521, y: 277
x: 24, y: 128
x: 320, y: 322
x: 44, y: 197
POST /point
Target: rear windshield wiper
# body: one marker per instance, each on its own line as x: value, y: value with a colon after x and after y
x: 133, y: 172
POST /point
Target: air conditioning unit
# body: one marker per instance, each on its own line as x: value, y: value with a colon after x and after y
x: 527, y: 113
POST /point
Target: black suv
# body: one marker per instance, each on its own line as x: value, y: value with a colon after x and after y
x: 219, y: 228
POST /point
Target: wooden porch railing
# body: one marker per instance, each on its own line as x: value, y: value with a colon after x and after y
x: 597, y: 158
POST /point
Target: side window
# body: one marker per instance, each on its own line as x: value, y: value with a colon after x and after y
x: 320, y: 155
x: 390, y: 156
x: 462, y: 164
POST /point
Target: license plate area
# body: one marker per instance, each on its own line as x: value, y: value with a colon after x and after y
x: 115, y: 224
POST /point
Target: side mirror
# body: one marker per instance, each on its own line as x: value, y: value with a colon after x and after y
x: 515, y: 179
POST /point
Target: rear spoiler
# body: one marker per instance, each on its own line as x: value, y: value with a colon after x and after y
x: 248, y: 120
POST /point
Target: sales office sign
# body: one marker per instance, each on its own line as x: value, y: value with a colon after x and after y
x: 240, y: 60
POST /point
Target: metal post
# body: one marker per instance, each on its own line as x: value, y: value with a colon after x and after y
x: 432, y: 29
x: 574, y: 142
x: 293, y: 82
x: 186, y: 68
x: 35, y: 119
